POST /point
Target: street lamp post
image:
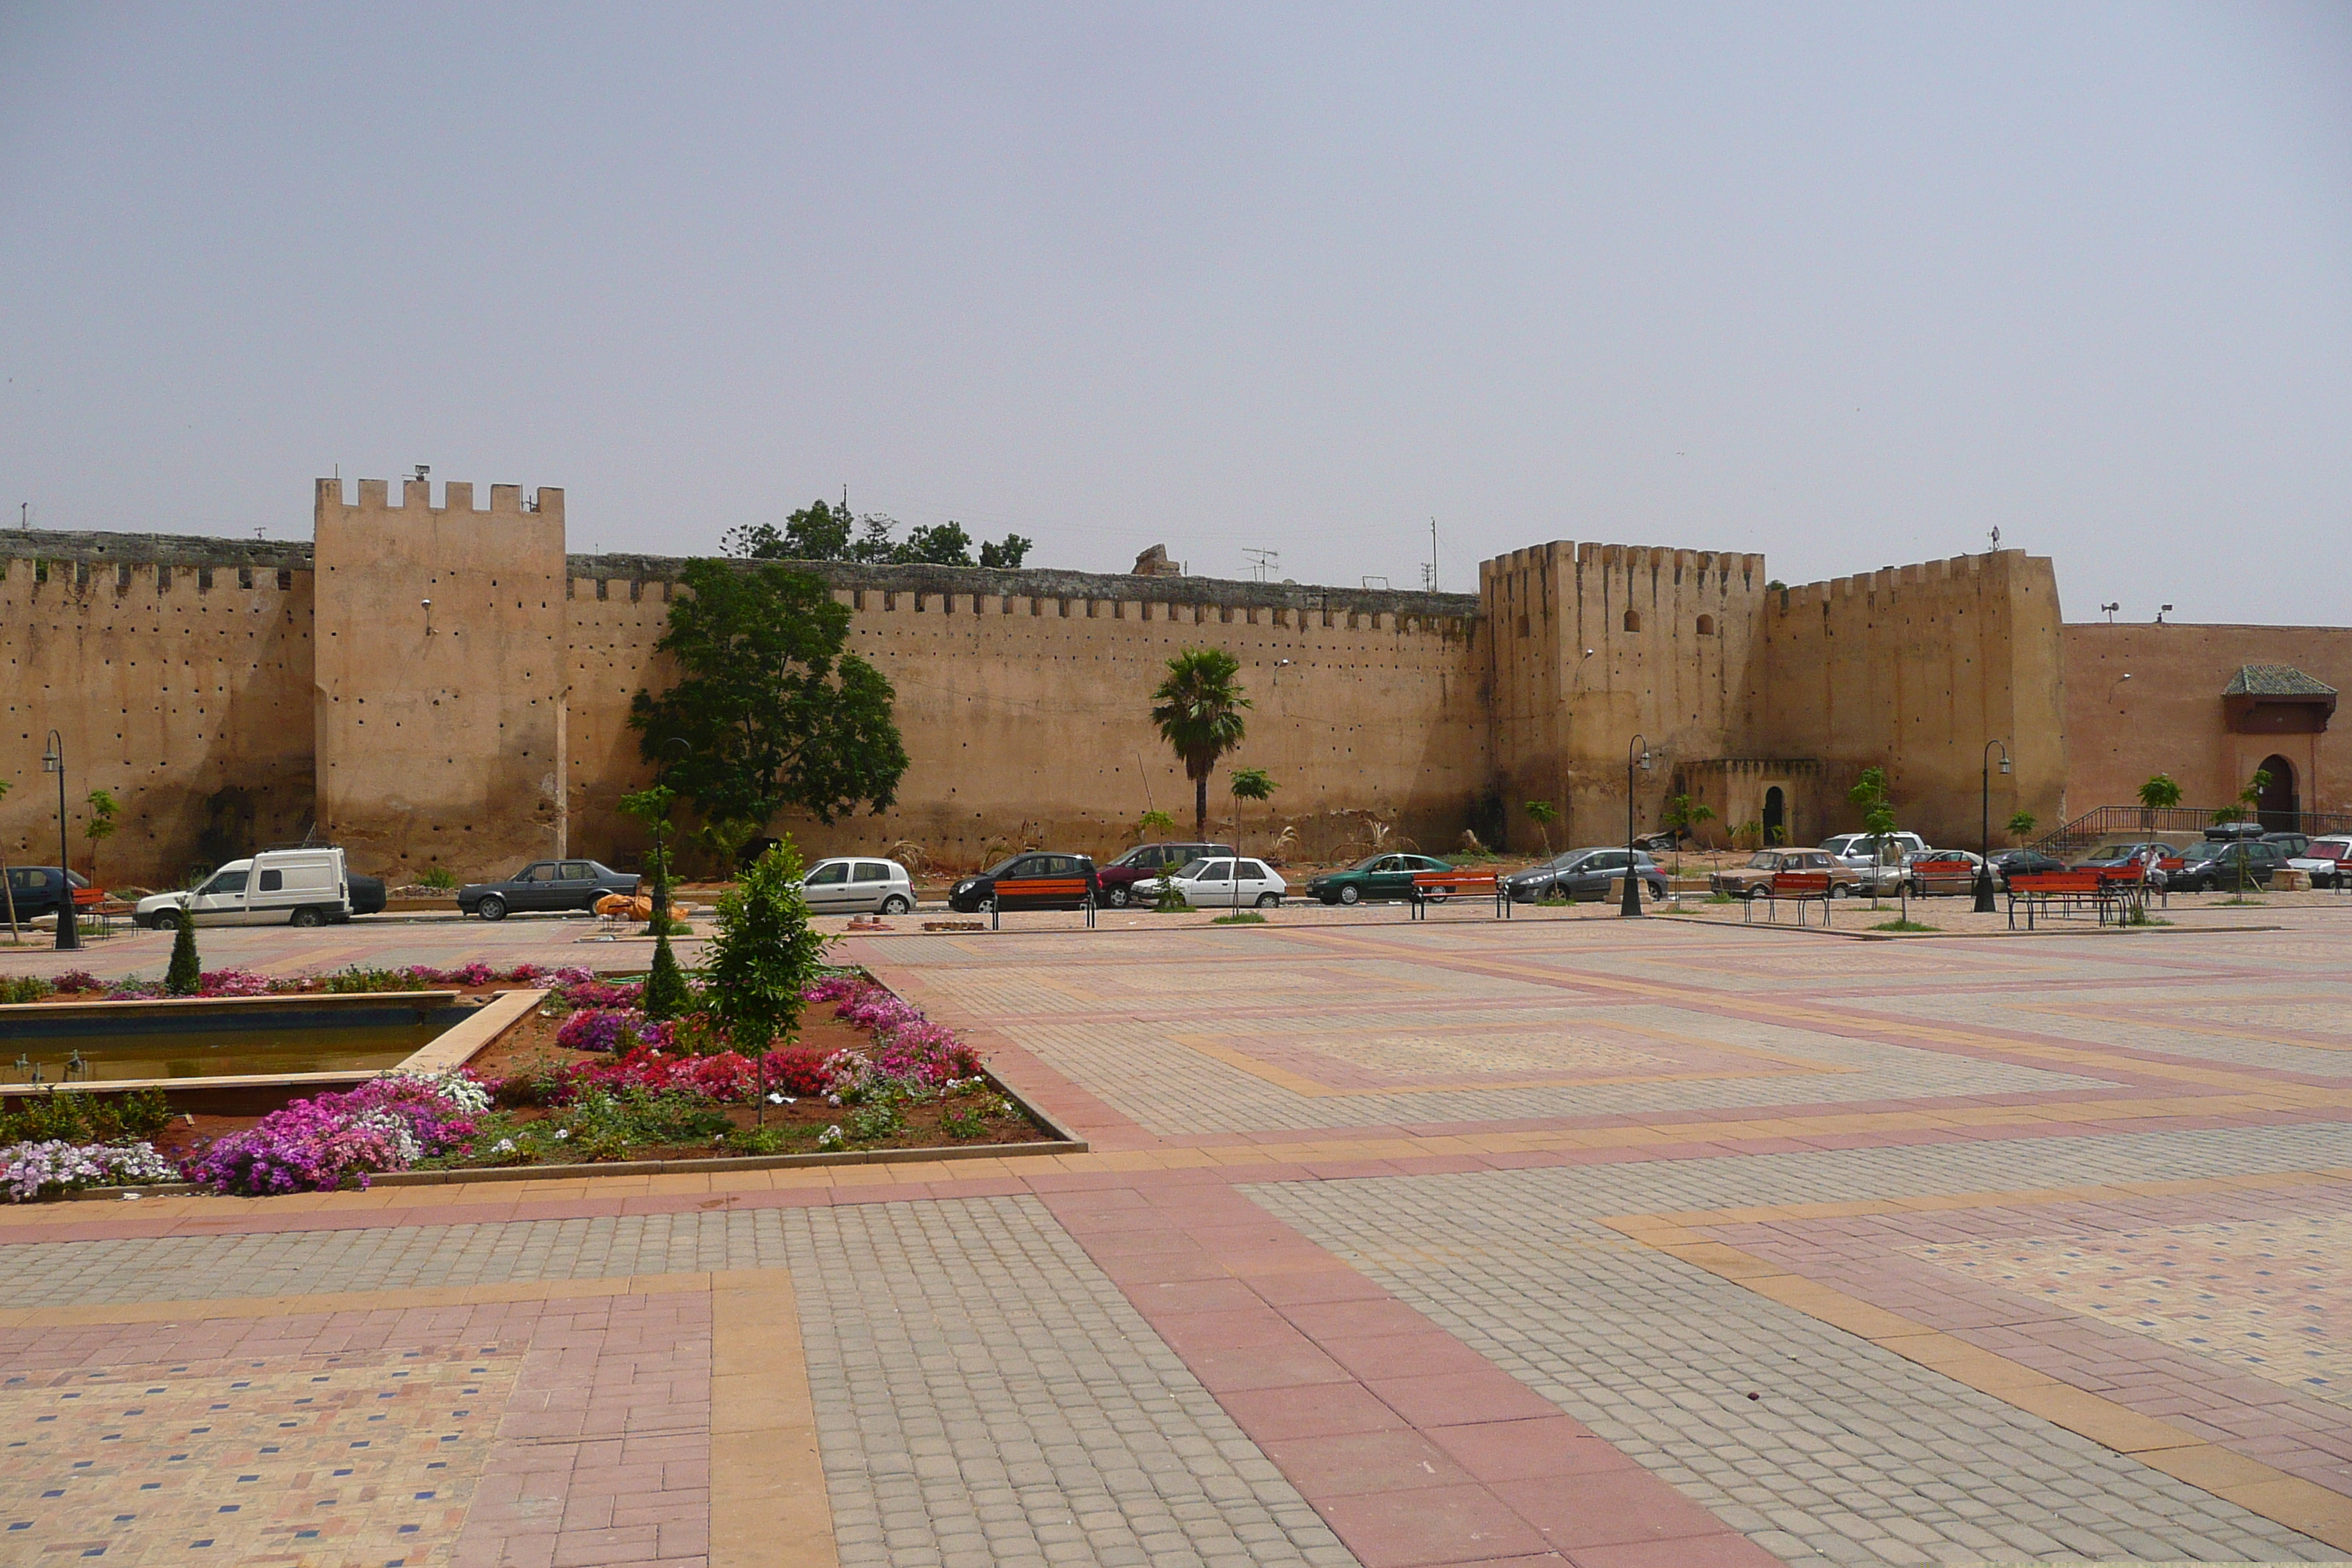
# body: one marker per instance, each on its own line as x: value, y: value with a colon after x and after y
x: 1637, y: 754
x: 1984, y: 825
x: 53, y: 760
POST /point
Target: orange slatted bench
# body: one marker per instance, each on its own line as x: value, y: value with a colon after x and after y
x: 1798, y: 888
x: 1437, y: 886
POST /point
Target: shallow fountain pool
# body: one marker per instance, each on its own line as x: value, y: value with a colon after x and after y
x: 104, y: 1042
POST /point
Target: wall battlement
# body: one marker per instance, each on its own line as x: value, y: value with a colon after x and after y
x: 417, y: 496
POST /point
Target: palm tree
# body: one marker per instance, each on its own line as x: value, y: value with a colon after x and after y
x: 1543, y: 813
x: 1198, y: 711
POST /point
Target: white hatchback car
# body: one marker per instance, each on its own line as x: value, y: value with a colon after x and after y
x: 2323, y: 862
x: 1211, y: 884
x: 856, y: 885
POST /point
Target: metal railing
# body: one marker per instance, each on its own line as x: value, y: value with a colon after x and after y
x: 2176, y: 822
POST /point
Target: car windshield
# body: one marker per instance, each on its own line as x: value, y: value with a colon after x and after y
x: 1368, y: 862
x: 1843, y: 844
x: 1763, y: 860
x: 2330, y: 849
x: 1002, y: 866
x: 2113, y: 852
x: 1142, y: 854
x: 1193, y: 867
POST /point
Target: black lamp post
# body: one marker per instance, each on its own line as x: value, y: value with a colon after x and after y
x: 53, y: 760
x: 1637, y: 754
x: 1984, y: 826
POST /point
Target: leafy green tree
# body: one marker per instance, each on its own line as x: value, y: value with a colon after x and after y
x: 1248, y: 784
x: 1870, y: 793
x: 2248, y: 799
x: 2021, y: 826
x: 1152, y: 822
x: 1007, y: 554
x: 1198, y: 711
x: 185, y: 975
x: 101, y: 827
x: 818, y: 531
x: 762, y: 954
x: 772, y: 711
x: 1543, y: 813
x: 1682, y: 815
x: 935, y: 544
x: 2160, y: 793
x: 667, y: 995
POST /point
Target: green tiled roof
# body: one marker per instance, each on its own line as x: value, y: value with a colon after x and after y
x: 2275, y: 681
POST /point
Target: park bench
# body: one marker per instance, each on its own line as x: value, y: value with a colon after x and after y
x: 2102, y: 892
x: 1944, y: 876
x: 1437, y: 886
x: 1043, y: 890
x: 1798, y: 888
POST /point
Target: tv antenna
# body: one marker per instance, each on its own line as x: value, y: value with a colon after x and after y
x: 1429, y: 572
x: 1261, y: 561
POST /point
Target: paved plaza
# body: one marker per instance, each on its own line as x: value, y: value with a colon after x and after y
x: 1561, y: 1241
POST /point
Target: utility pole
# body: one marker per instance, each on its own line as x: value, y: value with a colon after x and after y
x: 1432, y: 556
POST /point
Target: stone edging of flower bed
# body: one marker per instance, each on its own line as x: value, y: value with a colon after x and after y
x: 1063, y: 1142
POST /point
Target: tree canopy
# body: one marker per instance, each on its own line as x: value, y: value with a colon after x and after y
x: 824, y: 530
x: 772, y: 711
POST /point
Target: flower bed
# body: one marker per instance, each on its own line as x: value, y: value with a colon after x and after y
x: 593, y: 1083
x: 82, y: 985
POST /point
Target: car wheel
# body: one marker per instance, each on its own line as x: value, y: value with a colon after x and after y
x: 1117, y: 897
x: 309, y: 919
x: 1837, y: 889
x: 1351, y: 895
x: 1269, y: 900
x: 492, y: 908
x: 895, y: 905
x: 1657, y: 891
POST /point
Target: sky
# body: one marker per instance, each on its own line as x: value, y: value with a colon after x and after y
x: 1848, y: 285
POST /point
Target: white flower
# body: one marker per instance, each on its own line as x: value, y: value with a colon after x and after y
x: 832, y: 1099
x: 831, y: 1138
x: 506, y: 1145
x: 563, y: 1132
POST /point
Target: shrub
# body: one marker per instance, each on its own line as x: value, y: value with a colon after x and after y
x: 33, y: 1170
x: 185, y: 974
x: 233, y: 982
x: 83, y: 1116
x: 21, y: 988
x: 437, y: 876
x: 318, y: 1144
x: 74, y: 981
x: 665, y: 991
x: 800, y: 1070
x: 763, y: 955
x: 611, y: 1030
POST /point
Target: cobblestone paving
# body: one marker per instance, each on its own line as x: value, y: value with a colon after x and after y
x: 986, y: 1397
x: 1852, y: 1454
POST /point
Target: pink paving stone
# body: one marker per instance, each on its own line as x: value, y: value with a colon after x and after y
x: 1352, y: 1463
x: 1323, y: 1410
x: 1601, y: 1508
x: 1539, y: 1447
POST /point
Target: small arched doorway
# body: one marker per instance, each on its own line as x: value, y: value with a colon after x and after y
x: 1776, y: 816
x: 2277, y: 805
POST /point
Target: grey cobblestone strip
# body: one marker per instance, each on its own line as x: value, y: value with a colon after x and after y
x: 986, y: 1397
x: 1853, y: 1455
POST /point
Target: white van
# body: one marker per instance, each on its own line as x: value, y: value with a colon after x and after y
x: 277, y: 887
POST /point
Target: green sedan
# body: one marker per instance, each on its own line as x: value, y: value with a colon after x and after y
x: 1374, y: 877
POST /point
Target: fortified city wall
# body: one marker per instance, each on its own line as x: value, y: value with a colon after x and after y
x: 1915, y: 668
x: 2169, y: 717
x: 177, y: 671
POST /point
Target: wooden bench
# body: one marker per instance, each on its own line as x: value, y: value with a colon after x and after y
x: 2101, y: 892
x: 1047, y: 890
x: 1437, y: 886
x: 1798, y: 888
x: 1943, y: 876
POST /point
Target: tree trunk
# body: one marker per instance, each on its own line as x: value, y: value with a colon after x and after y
x: 1201, y: 808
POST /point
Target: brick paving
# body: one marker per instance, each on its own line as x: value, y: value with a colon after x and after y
x: 1397, y: 1244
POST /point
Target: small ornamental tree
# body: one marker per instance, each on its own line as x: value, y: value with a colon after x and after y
x: 2161, y: 793
x: 1248, y: 784
x: 762, y: 954
x: 2021, y: 826
x: 1682, y: 815
x: 1543, y: 813
x: 101, y: 826
x: 1870, y: 793
x: 1152, y: 822
x: 186, y: 977
x: 666, y: 990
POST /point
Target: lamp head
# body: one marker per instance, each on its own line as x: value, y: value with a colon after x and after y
x: 1646, y: 762
x: 2004, y: 762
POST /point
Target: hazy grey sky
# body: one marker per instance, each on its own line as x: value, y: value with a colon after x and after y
x: 1848, y: 285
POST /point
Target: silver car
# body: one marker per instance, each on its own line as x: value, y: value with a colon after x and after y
x: 855, y: 885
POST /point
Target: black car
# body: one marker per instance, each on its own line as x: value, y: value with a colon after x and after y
x: 1030, y: 881
x: 2222, y: 865
x: 2293, y: 844
x: 2024, y: 863
x: 367, y: 893
x: 1584, y: 875
x: 545, y: 885
x: 1145, y: 861
x: 38, y: 890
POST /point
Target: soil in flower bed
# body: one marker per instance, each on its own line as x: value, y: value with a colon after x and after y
x: 530, y: 1043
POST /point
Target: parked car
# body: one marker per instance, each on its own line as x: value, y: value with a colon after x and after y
x: 1030, y: 881
x: 367, y: 893
x: 1749, y: 881
x: 545, y: 885
x: 2295, y: 843
x: 1878, y: 857
x: 2237, y: 830
x: 277, y: 887
x: 2322, y: 861
x: 1583, y: 874
x: 1386, y: 876
x: 2113, y: 857
x: 2224, y: 864
x: 41, y: 889
x: 849, y: 885
x: 1942, y: 871
x: 1212, y: 883
x: 1145, y: 861
x: 2024, y: 862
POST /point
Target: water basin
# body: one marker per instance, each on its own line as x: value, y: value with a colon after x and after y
x: 103, y: 1042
